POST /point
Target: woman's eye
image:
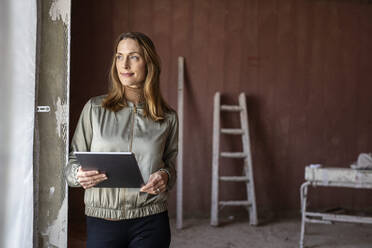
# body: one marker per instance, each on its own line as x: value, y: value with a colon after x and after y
x: 119, y: 57
x: 134, y: 57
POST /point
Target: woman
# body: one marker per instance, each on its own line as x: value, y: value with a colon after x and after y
x: 132, y: 117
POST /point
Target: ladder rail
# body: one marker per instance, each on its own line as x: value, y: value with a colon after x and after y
x: 248, y: 167
x: 215, y: 159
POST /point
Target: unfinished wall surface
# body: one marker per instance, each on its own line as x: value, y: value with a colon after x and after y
x: 304, y: 66
x: 51, y: 135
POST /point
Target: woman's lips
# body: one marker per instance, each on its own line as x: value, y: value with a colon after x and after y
x: 127, y: 74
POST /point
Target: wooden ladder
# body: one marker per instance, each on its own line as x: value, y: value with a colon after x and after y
x: 247, y: 176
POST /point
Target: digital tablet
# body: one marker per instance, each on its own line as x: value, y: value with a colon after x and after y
x: 121, y: 168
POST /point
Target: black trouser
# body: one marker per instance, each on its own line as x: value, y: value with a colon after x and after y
x: 148, y: 232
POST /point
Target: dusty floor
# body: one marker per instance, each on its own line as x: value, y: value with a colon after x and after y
x: 238, y: 234
x: 279, y: 234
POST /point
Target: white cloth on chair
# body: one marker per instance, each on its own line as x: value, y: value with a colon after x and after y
x: 364, y: 162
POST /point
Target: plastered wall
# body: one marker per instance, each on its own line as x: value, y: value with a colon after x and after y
x: 51, y: 128
x: 304, y: 66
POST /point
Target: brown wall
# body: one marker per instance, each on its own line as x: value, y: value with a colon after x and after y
x: 304, y: 65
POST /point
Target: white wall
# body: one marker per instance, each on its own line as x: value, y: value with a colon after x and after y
x: 18, y: 20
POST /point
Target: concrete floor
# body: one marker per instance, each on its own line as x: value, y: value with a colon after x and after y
x: 238, y: 234
x: 279, y: 234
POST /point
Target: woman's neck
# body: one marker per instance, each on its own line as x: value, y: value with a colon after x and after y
x: 134, y: 95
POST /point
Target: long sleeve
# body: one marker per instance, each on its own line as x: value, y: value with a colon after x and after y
x: 170, y: 152
x: 81, y: 141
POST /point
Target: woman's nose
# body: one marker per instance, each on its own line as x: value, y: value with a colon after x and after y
x: 126, y: 63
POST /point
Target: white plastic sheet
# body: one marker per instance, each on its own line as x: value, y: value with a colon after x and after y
x: 18, y: 20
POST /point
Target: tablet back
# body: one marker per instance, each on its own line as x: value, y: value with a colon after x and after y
x: 121, y: 168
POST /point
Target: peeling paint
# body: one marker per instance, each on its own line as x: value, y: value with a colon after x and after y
x: 60, y: 10
x: 56, y: 234
x: 61, y: 119
x: 51, y: 192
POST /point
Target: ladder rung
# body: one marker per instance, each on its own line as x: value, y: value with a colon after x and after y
x: 235, y: 108
x: 232, y: 131
x: 235, y: 179
x: 234, y: 203
x: 233, y: 154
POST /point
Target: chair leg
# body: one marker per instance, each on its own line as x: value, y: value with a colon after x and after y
x: 303, y: 193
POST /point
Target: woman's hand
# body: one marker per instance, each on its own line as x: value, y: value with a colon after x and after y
x: 89, y: 178
x: 157, y: 183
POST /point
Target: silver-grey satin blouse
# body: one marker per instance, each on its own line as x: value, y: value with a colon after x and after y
x: 155, y: 145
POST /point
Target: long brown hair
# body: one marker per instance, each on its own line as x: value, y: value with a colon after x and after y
x: 155, y: 106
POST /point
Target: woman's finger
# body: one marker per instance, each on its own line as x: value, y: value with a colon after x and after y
x: 90, y: 178
x: 149, y: 184
x: 92, y: 183
x: 156, y: 184
x: 88, y: 173
x: 155, y: 181
x: 159, y: 189
x: 154, y: 188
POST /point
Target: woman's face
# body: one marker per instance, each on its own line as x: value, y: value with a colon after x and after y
x: 130, y: 63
